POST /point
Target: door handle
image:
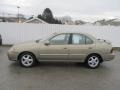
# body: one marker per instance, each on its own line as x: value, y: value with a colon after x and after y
x: 89, y: 47
x: 65, y: 48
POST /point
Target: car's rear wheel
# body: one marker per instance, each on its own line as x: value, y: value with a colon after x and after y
x: 27, y: 59
x: 93, y: 61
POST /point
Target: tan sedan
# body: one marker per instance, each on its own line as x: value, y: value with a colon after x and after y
x: 67, y: 47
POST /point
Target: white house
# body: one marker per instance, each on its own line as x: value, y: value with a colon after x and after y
x: 36, y: 20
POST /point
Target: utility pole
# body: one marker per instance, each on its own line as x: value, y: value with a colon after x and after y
x: 3, y: 17
x: 18, y: 7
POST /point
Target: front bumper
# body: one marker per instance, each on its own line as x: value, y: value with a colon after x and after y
x: 13, y: 56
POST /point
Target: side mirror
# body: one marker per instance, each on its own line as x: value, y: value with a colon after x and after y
x: 47, y: 43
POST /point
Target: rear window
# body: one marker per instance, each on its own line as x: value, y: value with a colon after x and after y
x: 89, y: 41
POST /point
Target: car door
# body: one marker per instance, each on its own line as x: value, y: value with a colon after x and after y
x: 57, y: 48
x: 80, y: 46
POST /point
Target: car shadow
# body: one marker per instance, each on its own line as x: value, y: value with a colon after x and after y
x: 50, y: 64
x: 60, y: 64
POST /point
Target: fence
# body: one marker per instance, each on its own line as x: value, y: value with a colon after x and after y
x: 13, y: 33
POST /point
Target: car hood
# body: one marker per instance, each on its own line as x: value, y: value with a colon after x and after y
x: 26, y: 45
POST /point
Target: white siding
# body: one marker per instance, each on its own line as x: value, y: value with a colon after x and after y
x: 13, y: 33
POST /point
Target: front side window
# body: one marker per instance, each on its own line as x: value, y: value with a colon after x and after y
x: 60, y: 39
x: 78, y: 39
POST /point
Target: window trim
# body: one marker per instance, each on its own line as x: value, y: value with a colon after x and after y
x: 70, y: 39
x: 88, y: 38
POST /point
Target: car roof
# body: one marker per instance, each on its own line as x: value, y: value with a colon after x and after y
x: 86, y: 34
x: 71, y: 32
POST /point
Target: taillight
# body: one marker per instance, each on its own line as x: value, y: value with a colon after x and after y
x: 111, y: 50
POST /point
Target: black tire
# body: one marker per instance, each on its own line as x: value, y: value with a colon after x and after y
x: 30, y: 62
x: 93, y: 61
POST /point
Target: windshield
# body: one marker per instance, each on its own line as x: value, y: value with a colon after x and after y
x: 44, y: 39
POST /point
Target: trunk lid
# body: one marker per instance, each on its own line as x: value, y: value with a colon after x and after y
x: 104, y: 41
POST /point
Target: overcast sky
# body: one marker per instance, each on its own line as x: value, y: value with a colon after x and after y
x: 84, y: 9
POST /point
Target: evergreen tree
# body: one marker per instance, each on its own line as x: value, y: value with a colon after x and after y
x: 40, y: 16
x: 48, y: 17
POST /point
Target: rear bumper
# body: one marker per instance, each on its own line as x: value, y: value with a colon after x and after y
x: 109, y: 57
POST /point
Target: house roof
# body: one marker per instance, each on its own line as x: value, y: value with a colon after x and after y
x: 13, y: 19
x: 35, y: 20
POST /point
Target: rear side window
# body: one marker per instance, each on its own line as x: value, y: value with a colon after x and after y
x: 81, y: 39
x: 78, y: 39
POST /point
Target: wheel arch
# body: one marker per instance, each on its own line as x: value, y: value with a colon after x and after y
x: 101, y: 59
x: 26, y: 52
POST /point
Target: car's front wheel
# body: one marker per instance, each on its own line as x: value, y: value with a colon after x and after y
x: 27, y: 59
x: 93, y: 61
